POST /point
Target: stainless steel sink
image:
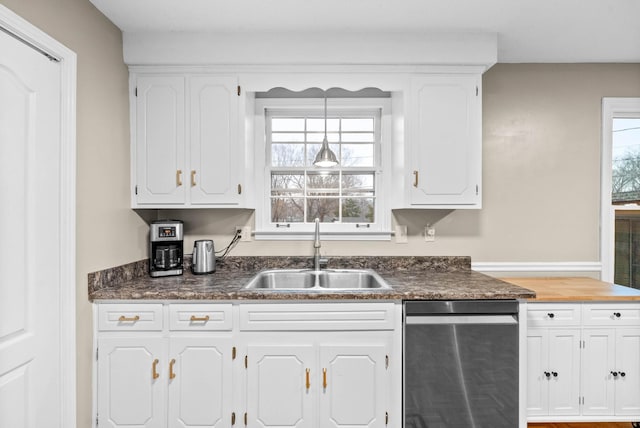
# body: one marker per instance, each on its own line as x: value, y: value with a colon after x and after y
x: 329, y: 279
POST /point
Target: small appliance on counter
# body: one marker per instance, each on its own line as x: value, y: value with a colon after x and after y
x: 166, y: 239
x: 204, y: 257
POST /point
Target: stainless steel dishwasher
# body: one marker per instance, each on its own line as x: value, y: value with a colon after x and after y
x: 461, y: 364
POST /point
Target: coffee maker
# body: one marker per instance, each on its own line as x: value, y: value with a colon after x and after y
x: 166, y: 239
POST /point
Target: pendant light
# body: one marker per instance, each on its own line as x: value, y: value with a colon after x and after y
x: 325, y: 157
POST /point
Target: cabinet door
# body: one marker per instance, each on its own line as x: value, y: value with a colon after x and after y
x: 215, y: 149
x: 597, y: 365
x: 129, y: 394
x: 627, y: 383
x: 353, y: 385
x: 446, y: 141
x: 160, y: 140
x: 537, y: 367
x: 200, y: 381
x: 564, y: 366
x: 281, y: 381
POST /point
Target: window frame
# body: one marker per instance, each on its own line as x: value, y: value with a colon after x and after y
x: 380, y: 229
x: 611, y: 108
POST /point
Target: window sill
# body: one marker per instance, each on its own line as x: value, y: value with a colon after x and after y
x: 324, y: 236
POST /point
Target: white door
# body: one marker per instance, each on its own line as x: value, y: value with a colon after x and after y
x: 132, y: 379
x: 214, y: 161
x: 200, y: 382
x: 597, y: 364
x: 30, y: 284
x: 628, y: 369
x: 281, y: 385
x: 564, y: 365
x: 161, y: 177
x: 537, y: 370
x: 446, y: 145
x: 353, y: 386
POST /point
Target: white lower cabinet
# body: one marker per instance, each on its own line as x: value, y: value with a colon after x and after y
x: 583, y: 362
x: 157, y: 377
x: 554, y: 371
x: 318, y: 384
x: 316, y: 365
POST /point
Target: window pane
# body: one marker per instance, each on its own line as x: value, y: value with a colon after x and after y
x: 323, y: 183
x: 626, y: 160
x: 286, y: 184
x: 287, y: 210
x: 287, y: 124
x: 357, y: 155
x: 287, y: 154
x: 326, y: 209
x: 358, y: 184
x: 293, y: 137
x: 357, y: 124
x: 358, y: 210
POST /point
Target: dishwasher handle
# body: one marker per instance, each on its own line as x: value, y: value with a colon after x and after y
x: 460, y: 319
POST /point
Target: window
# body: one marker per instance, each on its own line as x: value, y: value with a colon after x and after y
x: 620, y: 190
x: 347, y: 198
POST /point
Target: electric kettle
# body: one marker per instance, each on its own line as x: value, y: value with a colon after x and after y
x: 203, y: 258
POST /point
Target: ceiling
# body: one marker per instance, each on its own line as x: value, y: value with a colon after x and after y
x: 546, y: 31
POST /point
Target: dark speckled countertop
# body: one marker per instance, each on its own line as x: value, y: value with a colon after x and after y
x: 411, y: 278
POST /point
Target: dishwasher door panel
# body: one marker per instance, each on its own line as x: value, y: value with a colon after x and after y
x: 461, y: 375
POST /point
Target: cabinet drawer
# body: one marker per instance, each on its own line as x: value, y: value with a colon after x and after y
x: 552, y: 314
x: 200, y: 317
x: 126, y: 317
x: 317, y: 316
x: 612, y: 314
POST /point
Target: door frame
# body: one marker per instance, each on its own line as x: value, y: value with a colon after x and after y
x: 611, y: 108
x: 23, y: 30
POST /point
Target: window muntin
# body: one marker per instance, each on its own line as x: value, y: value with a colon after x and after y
x: 298, y: 191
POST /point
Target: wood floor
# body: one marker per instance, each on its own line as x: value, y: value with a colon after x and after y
x: 581, y: 425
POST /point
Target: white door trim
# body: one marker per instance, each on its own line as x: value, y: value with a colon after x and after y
x: 611, y: 107
x: 22, y: 29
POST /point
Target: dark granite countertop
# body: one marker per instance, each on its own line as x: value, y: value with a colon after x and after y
x: 411, y: 278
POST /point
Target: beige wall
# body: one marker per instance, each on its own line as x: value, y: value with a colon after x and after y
x: 108, y: 233
x: 541, y: 169
x: 541, y: 172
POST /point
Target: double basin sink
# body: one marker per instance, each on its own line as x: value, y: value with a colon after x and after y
x: 318, y: 280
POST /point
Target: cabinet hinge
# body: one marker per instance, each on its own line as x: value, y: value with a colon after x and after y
x: 239, y: 189
x: 245, y: 418
x: 136, y: 91
x: 136, y: 189
x: 246, y: 361
x: 238, y: 90
x: 386, y: 361
x: 96, y: 421
x: 476, y: 91
x: 233, y: 418
x: 233, y: 353
x: 97, y: 353
x: 386, y: 418
x: 477, y: 190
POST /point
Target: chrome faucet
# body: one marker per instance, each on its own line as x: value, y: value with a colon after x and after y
x: 316, y: 246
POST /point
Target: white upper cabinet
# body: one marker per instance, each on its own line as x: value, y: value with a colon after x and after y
x: 159, y: 147
x: 186, y: 148
x: 444, y: 143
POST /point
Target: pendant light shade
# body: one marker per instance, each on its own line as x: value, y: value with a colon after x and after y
x: 325, y: 157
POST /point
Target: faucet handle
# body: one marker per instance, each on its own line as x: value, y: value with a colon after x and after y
x: 323, y: 262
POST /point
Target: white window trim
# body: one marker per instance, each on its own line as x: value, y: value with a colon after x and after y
x: 611, y: 108
x: 380, y: 230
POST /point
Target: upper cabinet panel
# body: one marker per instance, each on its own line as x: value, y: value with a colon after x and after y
x: 444, y: 144
x: 159, y: 140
